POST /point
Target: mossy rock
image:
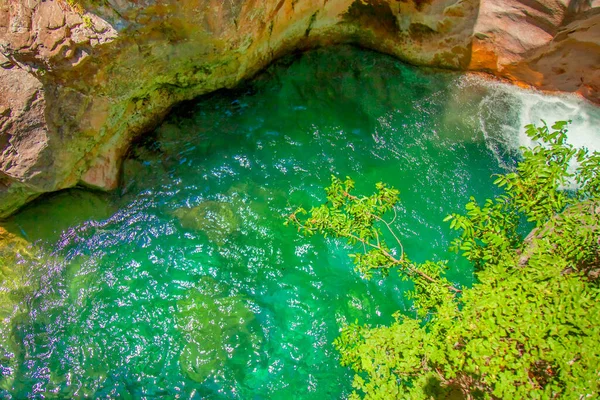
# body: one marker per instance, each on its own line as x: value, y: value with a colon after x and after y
x: 14, y: 252
x: 216, y: 219
x: 15, y: 284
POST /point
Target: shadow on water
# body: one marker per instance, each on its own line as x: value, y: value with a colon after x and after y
x: 51, y: 214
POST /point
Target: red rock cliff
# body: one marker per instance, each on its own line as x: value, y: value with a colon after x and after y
x: 79, y: 80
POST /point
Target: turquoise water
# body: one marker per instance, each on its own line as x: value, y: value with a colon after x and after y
x: 186, y: 284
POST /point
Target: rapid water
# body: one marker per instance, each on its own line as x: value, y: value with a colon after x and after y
x: 186, y: 283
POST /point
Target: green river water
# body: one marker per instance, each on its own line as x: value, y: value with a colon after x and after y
x: 186, y: 283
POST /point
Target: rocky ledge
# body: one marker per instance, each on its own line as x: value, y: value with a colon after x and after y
x: 79, y: 79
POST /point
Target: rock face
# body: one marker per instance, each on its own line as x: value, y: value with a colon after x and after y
x: 80, y: 78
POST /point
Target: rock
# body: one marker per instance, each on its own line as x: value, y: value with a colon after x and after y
x: 78, y: 84
x: 550, y: 44
x: 218, y: 328
x: 15, y: 284
x: 569, y: 63
x: 216, y: 219
x: 104, y: 172
x: 12, y: 248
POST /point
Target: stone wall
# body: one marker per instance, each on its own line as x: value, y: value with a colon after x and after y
x: 79, y: 79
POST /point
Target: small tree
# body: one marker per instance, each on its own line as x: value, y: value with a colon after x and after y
x: 528, y: 328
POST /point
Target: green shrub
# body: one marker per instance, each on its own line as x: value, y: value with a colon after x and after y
x: 529, y: 326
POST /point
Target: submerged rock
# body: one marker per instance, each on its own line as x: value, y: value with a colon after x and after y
x: 80, y: 81
x: 14, y: 252
x: 217, y: 327
x: 15, y: 285
x: 216, y: 219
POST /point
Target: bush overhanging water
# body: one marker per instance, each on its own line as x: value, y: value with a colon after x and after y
x: 528, y: 327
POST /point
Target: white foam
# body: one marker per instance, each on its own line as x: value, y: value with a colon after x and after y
x: 505, y: 109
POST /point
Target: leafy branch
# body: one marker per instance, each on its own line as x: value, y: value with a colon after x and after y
x: 528, y: 327
x: 360, y: 220
x: 538, y: 191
